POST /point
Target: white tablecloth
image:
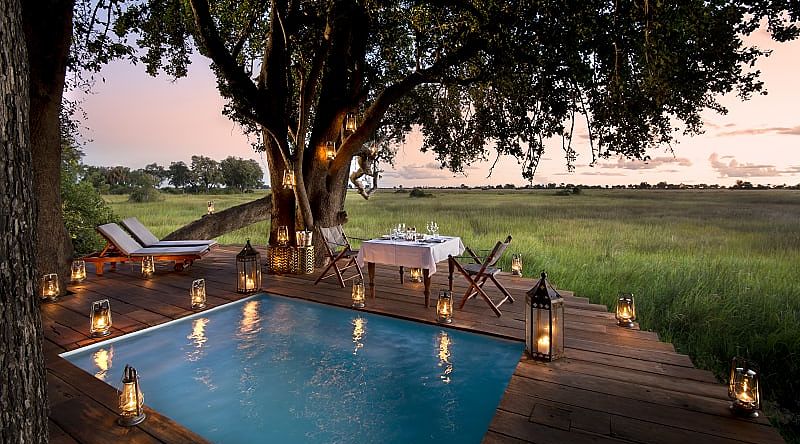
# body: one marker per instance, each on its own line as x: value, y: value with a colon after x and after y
x: 408, y: 253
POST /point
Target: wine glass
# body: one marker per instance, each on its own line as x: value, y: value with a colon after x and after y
x: 435, y: 228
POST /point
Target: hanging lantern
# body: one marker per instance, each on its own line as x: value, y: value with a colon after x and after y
x: 50, y: 287
x: 100, y: 319
x: 516, y: 264
x: 210, y: 207
x: 288, y: 179
x: 283, y: 235
x: 626, y: 311
x: 416, y: 274
x: 350, y: 123
x: 248, y: 269
x: 743, y: 388
x: 198, y: 293
x: 78, y: 271
x: 330, y: 150
x: 544, y: 321
x: 358, y: 293
x: 148, y: 267
x: 444, y: 307
x: 131, y: 401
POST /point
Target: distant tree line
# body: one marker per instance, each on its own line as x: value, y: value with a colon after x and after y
x: 739, y: 185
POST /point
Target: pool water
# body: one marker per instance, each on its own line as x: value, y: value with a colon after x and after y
x: 274, y: 369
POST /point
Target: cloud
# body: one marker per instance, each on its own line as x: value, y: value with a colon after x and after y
x: 647, y: 165
x: 735, y: 169
x: 592, y: 173
x: 780, y: 130
x: 429, y: 170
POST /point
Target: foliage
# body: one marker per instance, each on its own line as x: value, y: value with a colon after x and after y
x: 180, y: 176
x: 240, y: 174
x: 145, y: 193
x: 419, y: 192
x: 206, y: 172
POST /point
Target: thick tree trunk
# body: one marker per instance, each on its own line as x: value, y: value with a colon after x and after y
x: 234, y: 218
x: 48, y: 37
x: 23, y: 399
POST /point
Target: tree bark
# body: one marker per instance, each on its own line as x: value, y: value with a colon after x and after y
x: 48, y: 37
x: 23, y: 397
x: 217, y: 224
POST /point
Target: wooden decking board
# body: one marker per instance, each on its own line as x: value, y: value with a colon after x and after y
x: 615, y: 385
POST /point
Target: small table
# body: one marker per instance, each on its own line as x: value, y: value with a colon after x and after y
x: 412, y: 254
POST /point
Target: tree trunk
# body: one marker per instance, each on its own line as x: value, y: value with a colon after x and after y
x: 48, y: 37
x: 234, y: 218
x: 23, y: 397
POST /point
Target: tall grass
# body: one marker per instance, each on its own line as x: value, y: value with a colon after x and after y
x: 715, y: 272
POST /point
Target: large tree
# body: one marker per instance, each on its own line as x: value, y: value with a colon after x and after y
x: 23, y: 399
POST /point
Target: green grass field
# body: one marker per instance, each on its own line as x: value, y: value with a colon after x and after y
x: 715, y: 272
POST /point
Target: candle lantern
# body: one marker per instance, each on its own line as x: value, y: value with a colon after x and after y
x: 416, y: 274
x: 198, y: 293
x: 100, y: 318
x: 283, y: 235
x: 516, y: 264
x: 358, y: 293
x: 148, y: 267
x: 544, y: 321
x: 350, y: 123
x: 444, y: 307
x: 330, y: 150
x: 50, y: 287
x: 743, y: 388
x: 210, y: 207
x: 131, y: 401
x: 626, y: 311
x: 78, y: 271
x: 248, y: 269
x: 288, y: 179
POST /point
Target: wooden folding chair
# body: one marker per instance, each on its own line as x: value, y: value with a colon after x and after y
x: 479, y: 272
x: 337, y: 248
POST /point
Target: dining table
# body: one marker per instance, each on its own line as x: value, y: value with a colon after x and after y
x: 422, y: 252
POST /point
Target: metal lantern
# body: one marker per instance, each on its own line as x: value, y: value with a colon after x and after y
x: 283, y: 235
x: 148, y: 267
x: 100, y: 319
x: 131, y: 401
x: 248, y: 270
x: 78, y: 273
x: 743, y: 388
x: 210, y: 207
x: 50, y: 287
x: 358, y: 293
x: 288, y: 179
x: 544, y: 321
x: 626, y: 311
x: 516, y: 264
x: 444, y: 307
x: 198, y: 294
x: 330, y: 150
x: 416, y: 274
x: 350, y: 123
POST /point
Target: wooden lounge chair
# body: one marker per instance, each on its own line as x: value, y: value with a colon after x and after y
x: 121, y: 247
x: 337, y: 248
x: 479, y: 272
x: 147, y: 239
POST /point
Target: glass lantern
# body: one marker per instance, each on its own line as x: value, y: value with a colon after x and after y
x: 350, y: 123
x: 626, y: 311
x: 100, y: 319
x: 330, y: 150
x: 248, y: 269
x: 444, y: 307
x: 544, y: 321
x: 288, y: 179
x: 743, y: 388
x: 148, y: 267
x: 210, y: 207
x: 50, y: 287
x: 516, y: 264
x: 358, y: 293
x: 131, y: 401
x: 198, y: 294
x: 78, y: 273
x: 283, y: 235
x: 416, y: 274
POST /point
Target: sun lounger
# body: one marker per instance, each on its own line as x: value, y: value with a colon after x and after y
x: 147, y: 239
x: 121, y: 247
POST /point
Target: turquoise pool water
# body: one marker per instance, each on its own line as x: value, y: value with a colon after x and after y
x: 279, y: 370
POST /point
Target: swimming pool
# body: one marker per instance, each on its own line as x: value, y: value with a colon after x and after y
x: 275, y: 369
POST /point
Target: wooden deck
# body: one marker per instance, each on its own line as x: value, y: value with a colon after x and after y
x: 615, y: 385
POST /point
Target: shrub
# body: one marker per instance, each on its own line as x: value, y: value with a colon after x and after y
x: 419, y: 192
x: 84, y: 210
x: 145, y: 194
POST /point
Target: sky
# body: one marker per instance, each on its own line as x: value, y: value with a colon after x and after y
x: 134, y: 119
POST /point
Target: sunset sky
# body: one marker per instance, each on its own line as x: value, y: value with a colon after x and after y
x: 135, y: 119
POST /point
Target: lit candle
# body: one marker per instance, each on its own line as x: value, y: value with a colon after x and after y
x: 50, y: 287
x: 250, y: 284
x: 543, y: 344
x: 78, y: 271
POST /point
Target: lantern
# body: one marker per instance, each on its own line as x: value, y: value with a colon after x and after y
x: 198, y: 294
x: 210, y: 207
x: 131, y: 401
x: 330, y: 150
x: 304, y: 238
x: 358, y: 293
x: 743, y: 388
x: 350, y: 123
x: 444, y: 307
x: 283, y: 235
x: 148, y: 267
x: 288, y: 179
x: 544, y: 321
x: 248, y: 269
x: 100, y: 319
x: 516, y: 264
x: 50, y: 287
x: 626, y: 310
x: 78, y: 271
x: 416, y: 274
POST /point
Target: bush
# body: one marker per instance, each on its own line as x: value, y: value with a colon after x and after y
x: 419, y: 192
x: 84, y: 210
x: 145, y: 194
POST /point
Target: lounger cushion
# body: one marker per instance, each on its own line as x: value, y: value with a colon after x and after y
x: 129, y: 247
x: 147, y: 239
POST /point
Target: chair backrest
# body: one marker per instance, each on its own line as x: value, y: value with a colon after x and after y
x: 139, y: 231
x: 121, y: 239
x: 497, y: 252
x: 334, y: 238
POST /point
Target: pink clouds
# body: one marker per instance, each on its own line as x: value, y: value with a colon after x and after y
x: 789, y: 131
x: 735, y: 169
